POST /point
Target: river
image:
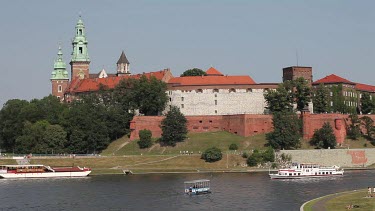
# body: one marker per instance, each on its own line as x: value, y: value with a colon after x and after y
x: 230, y: 191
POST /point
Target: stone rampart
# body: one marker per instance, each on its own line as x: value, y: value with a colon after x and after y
x: 340, y: 157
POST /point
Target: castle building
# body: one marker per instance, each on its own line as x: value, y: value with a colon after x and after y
x: 59, y: 78
x: 294, y: 72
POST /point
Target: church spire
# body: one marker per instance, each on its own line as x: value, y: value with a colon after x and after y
x: 80, y: 57
x: 123, y: 65
x: 59, y: 68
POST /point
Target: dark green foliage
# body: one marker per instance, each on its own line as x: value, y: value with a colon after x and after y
x: 368, y: 124
x: 281, y: 99
x: 353, y: 131
x: 260, y: 157
x: 193, y: 72
x: 287, y: 131
x: 286, y: 157
x: 233, y: 147
x: 145, y: 139
x: 324, y: 137
x: 245, y: 155
x: 173, y: 127
x: 212, y: 155
x: 367, y: 105
x: 302, y: 93
x: 321, y: 99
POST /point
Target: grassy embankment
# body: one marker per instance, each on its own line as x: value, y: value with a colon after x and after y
x: 340, y: 201
x: 125, y: 154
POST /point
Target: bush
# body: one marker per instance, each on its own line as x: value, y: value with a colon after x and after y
x: 268, y: 155
x: 274, y: 165
x: 144, y: 139
x: 245, y: 155
x: 251, y: 161
x: 233, y: 147
x: 212, y: 155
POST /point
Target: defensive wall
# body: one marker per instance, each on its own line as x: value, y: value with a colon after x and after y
x: 329, y: 157
x: 244, y: 124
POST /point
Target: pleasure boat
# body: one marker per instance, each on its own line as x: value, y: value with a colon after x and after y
x: 41, y: 171
x: 197, y: 187
x: 304, y: 170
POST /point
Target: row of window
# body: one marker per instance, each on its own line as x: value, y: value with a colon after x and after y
x: 217, y: 90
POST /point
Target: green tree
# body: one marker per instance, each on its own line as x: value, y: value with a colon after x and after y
x: 233, y: 146
x: 324, y: 137
x: 281, y: 99
x: 173, y: 127
x: 32, y: 138
x: 353, y: 131
x: 320, y: 99
x: 193, y: 72
x: 268, y: 155
x: 368, y: 124
x: 287, y: 131
x: 367, y: 105
x: 302, y: 93
x: 251, y: 161
x: 11, y: 123
x: 144, y: 139
x: 55, y: 138
x: 212, y: 154
x: 150, y: 95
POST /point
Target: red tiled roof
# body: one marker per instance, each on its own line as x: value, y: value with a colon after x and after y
x: 332, y: 79
x: 211, y: 80
x: 365, y: 87
x: 212, y: 71
x: 93, y: 84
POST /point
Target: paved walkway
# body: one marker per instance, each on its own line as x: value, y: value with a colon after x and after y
x: 320, y: 204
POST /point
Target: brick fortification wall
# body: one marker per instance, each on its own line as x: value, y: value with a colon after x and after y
x: 244, y: 124
x: 340, y: 157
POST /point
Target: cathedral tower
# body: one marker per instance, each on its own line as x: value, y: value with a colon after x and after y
x: 59, y: 78
x: 80, y: 58
x: 123, y: 65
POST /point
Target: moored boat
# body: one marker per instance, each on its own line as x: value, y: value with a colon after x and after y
x: 196, y: 187
x: 305, y: 170
x: 41, y: 171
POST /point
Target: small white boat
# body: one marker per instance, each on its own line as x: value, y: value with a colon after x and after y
x: 196, y: 187
x: 304, y: 170
x: 41, y: 171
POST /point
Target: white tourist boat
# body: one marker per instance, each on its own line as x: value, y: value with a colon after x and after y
x: 41, y: 171
x: 305, y: 170
x: 196, y: 187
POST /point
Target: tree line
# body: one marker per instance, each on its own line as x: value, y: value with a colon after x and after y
x: 87, y: 125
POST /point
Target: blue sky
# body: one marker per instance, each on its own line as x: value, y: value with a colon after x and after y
x: 256, y: 38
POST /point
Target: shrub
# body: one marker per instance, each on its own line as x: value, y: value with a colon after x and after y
x: 274, y: 165
x: 251, y: 161
x: 144, y: 139
x: 212, y: 154
x: 268, y: 155
x: 245, y: 155
x: 233, y: 147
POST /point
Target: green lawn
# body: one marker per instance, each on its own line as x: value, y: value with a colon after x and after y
x: 197, y: 142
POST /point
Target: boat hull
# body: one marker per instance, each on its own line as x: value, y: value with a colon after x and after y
x: 277, y: 176
x: 45, y: 174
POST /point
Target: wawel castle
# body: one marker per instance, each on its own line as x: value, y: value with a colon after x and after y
x: 214, y: 94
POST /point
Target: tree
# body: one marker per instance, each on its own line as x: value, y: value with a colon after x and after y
x: 193, y: 72
x: 145, y: 139
x: 233, y: 146
x: 302, y: 93
x: 368, y: 124
x: 32, y: 138
x: 212, y: 154
x: 353, y: 130
x: 320, y: 99
x: 150, y: 95
x: 55, y: 138
x: 324, y: 137
x: 280, y: 100
x: 173, y: 127
x: 287, y: 131
x: 367, y: 105
x: 11, y: 123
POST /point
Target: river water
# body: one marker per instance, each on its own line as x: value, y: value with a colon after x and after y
x: 230, y: 191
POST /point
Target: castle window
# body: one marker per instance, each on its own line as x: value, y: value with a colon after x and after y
x: 330, y: 94
x: 80, y: 32
x: 232, y: 90
x: 170, y: 99
x: 249, y: 90
x: 215, y: 91
x: 80, y: 50
x: 215, y: 95
x: 331, y: 103
x: 58, y: 97
x: 200, y: 121
x: 59, y: 88
x: 182, y: 105
x: 199, y: 90
x: 182, y: 98
x: 215, y: 111
x: 215, y: 102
